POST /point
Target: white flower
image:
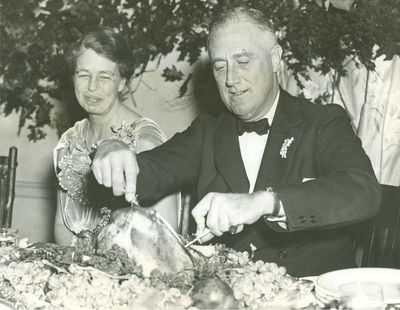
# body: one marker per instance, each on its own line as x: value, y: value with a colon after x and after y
x: 285, y: 146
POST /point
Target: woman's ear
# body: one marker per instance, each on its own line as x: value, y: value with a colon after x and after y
x: 276, y: 55
x: 122, y: 84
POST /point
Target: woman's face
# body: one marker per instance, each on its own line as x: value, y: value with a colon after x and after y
x: 97, y: 82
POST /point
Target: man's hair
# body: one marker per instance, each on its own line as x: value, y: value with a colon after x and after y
x: 107, y: 43
x: 242, y: 13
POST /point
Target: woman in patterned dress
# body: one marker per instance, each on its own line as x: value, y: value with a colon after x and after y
x: 102, y: 68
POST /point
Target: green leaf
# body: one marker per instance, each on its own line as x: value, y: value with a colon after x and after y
x: 33, y: 46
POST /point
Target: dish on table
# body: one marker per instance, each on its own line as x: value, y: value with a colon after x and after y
x: 327, y: 285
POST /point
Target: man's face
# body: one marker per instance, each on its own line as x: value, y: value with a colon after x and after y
x: 244, y: 61
x: 97, y: 82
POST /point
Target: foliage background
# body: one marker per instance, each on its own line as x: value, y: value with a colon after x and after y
x: 36, y: 35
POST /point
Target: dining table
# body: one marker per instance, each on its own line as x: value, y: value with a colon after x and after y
x: 36, y: 276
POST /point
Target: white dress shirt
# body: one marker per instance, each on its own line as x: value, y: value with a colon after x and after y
x: 252, y: 148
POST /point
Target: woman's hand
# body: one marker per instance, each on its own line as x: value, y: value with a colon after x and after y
x: 114, y: 165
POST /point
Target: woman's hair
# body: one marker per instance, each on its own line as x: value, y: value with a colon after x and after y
x: 109, y: 44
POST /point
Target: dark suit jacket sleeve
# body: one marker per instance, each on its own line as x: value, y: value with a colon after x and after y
x: 171, y: 166
x: 345, y: 189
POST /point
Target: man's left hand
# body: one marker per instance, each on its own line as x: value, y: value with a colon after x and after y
x: 218, y: 212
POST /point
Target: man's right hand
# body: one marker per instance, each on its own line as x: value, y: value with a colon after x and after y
x: 114, y: 165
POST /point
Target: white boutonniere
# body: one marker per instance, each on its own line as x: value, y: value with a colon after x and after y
x: 285, y: 146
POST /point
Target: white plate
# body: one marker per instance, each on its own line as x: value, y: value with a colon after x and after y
x: 324, y: 299
x: 327, y: 284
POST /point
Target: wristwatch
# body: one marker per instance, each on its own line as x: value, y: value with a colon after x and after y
x: 276, y: 204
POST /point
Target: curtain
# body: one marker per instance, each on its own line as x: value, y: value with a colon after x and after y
x: 372, y: 100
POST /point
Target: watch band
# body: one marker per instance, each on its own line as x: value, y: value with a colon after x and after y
x: 276, y: 204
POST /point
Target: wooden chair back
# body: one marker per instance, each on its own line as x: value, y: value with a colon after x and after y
x: 378, y: 242
x: 8, y: 169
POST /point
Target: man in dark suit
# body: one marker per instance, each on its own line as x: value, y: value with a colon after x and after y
x: 288, y: 175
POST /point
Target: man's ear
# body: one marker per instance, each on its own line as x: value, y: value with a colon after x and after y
x: 122, y: 84
x: 276, y: 55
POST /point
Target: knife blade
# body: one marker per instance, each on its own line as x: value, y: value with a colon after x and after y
x: 233, y: 229
x: 198, y: 239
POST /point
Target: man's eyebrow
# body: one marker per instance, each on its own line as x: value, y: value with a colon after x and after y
x: 81, y: 69
x: 235, y: 56
x: 107, y: 72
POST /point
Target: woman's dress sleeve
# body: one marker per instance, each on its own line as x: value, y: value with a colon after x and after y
x: 72, y: 167
x: 79, y: 197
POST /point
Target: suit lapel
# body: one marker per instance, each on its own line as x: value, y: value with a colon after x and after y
x: 227, y: 156
x: 287, y: 126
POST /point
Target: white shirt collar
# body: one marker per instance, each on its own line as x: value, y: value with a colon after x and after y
x: 252, y: 148
x: 271, y: 113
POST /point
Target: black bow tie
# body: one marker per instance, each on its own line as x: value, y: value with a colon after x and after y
x: 261, y: 127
